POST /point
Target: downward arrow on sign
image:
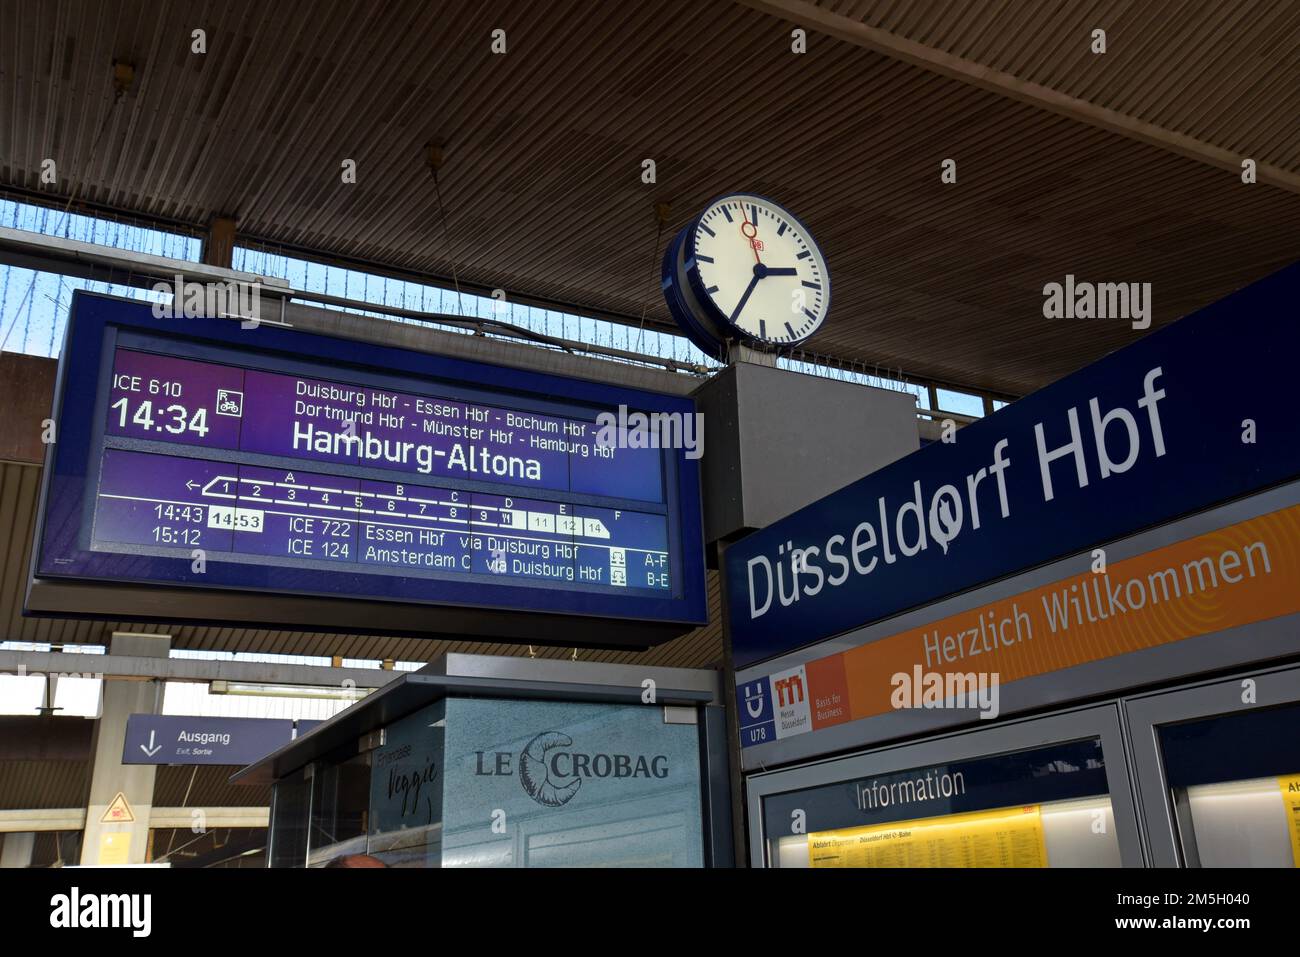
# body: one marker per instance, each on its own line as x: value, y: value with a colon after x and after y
x: 153, y: 748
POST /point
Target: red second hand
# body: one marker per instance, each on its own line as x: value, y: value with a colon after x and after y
x: 749, y: 236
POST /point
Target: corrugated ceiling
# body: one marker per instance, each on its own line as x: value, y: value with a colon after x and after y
x: 43, y: 785
x: 545, y: 143
x: 204, y: 786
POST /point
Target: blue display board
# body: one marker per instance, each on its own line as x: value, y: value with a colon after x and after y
x: 1197, y: 413
x: 199, y: 454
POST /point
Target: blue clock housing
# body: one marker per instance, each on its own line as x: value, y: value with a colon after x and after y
x: 687, y: 295
x: 681, y: 301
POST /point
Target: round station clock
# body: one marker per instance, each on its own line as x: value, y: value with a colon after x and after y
x: 746, y: 269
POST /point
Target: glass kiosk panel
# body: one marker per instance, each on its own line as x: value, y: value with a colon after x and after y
x: 1224, y: 788
x: 404, y: 824
x: 489, y: 782
x: 290, y: 810
x: 478, y: 760
x: 569, y: 784
x: 1006, y: 797
x: 339, y: 806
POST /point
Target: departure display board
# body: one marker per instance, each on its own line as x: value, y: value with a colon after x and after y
x: 295, y: 511
x: 201, y: 454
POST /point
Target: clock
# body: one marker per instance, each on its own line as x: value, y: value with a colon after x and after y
x: 746, y: 269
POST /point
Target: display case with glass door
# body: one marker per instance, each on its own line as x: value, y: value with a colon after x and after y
x: 1046, y: 792
x: 1218, y: 766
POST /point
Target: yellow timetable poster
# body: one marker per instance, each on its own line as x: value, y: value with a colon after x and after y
x: 1290, y: 785
x: 1009, y: 837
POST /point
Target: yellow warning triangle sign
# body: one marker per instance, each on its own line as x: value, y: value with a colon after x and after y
x: 119, y: 812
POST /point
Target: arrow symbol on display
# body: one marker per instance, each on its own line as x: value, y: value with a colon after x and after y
x: 190, y: 484
x: 153, y: 748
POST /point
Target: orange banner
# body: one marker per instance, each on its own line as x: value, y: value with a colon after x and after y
x: 1236, y: 575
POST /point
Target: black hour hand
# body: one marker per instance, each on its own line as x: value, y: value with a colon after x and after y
x: 745, y: 298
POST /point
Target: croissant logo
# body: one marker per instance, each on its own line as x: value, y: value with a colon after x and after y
x: 551, y: 772
x: 535, y: 776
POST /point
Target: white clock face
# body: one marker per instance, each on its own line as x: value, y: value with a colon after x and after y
x: 761, y: 270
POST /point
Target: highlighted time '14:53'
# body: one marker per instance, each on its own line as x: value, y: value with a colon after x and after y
x: 174, y: 418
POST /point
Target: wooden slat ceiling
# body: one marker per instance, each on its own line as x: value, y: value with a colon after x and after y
x: 545, y: 144
x: 19, y: 492
x: 1225, y: 73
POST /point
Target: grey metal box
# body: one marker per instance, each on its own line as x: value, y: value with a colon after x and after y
x: 775, y: 441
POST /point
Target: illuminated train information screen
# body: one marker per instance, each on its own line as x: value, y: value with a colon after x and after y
x: 295, y: 510
x: 245, y: 461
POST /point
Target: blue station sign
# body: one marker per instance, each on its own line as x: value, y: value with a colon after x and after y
x: 1195, y: 414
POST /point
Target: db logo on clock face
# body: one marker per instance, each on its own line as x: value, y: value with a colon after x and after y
x: 746, y: 269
